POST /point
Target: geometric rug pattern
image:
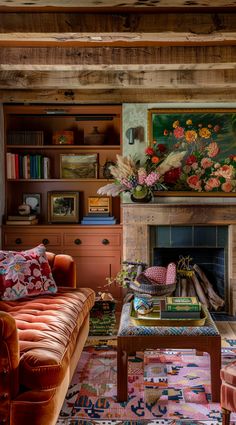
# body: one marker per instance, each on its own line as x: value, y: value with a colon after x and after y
x: 169, y: 387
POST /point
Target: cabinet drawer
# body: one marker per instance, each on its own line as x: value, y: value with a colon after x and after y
x: 22, y: 239
x: 92, y: 240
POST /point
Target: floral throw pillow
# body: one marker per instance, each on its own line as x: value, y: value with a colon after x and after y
x: 25, y: 273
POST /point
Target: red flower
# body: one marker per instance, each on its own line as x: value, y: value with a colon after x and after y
x: 161, y: 147
x: 191, y: 159
x: 149, y: 151
x: 172, y: 176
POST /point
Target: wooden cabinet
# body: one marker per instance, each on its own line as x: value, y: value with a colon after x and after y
x: 59, y: 132
x: 97, y: 250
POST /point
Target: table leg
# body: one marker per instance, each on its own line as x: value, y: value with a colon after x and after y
x: 215, y: 358
x: 122, y: 375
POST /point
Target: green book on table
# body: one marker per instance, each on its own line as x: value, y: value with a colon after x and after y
x: 180, y: 314
x: 182, y: 304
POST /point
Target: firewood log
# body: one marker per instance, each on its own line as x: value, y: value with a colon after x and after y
x: 200, y: 293
x: 191, y: 286
x: 214, y: 299
x: 183, y: 287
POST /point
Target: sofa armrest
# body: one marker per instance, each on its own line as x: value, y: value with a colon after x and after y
x: 63, y: 269
x: 9, y: 362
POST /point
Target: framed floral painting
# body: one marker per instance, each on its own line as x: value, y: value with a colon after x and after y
x: 194, y: 150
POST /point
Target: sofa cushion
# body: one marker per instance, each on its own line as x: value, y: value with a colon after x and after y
x: 25, y: 273
x: 228, y: 373
x: 48, y: 328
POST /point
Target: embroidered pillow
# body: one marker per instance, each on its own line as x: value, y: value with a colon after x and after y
x: 25, y: 273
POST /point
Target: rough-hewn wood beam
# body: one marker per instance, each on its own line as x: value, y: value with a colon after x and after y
x: 118, y: 95
x: 40, y: 29
x: 118, y: 79
x: 115, y: 3
x: 115, y: 58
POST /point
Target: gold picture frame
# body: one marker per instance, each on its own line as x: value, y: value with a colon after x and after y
x: 63, y: 207
x: 99, y: 205
x: 76, y: 166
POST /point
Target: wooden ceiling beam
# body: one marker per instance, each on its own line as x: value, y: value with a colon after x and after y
x: 115, y: 58
x: 205, y: 95
x: 83, y: 29
x: 118, y: 79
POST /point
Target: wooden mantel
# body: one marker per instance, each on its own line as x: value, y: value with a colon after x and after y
x: 137, y: 219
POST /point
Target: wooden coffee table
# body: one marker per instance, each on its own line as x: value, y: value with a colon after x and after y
x: 132, y: 337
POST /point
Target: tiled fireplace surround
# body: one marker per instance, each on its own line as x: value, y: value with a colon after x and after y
x: 138, y: 219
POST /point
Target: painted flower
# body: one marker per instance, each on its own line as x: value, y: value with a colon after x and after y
x: 212, y: 149
x: 179, y: 132
x: 161, y: 147
x: 149, y: 151
x: 191, y: 159
x: 226, y: 171
x: 206, y: 163
x: 190, y: 136
x: 194, y: 182
x: 175, y: 124
x: 227, y: 186
x: 212, y: 183
x: 155, y: 159
x: 172, y: 176
x: 204, y: 133
x: 189, y: 122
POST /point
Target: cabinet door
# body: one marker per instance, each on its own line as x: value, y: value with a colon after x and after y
x: 94, y: 266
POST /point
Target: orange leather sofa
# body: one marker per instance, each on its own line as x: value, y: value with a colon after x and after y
x: 41, y: 340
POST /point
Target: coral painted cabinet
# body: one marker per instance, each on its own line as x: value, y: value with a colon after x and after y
x: 61, y: 134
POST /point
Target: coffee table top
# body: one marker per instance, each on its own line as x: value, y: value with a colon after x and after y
x: 129, y: 328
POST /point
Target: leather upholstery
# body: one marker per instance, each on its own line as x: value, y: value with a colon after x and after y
x: 38, y: 339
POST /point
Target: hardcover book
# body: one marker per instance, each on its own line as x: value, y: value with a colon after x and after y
x: 182, y: 304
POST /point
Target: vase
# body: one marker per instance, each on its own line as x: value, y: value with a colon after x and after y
x: 147, y: 198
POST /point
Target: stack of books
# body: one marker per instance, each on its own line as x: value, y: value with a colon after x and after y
x: 180, y: 308
x: 94, y: 220
x: 102, y: 318
x: 23, y: 220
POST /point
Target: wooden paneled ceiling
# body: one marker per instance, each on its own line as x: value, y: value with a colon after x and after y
x: 113, y: 51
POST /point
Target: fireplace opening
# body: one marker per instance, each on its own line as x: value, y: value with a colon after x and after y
x: 207, y: 246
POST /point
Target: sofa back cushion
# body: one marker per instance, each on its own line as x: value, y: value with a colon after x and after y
x: 25, y: 273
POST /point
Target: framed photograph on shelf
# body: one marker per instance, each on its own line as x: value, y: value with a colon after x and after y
x: 194, y: 149
x: 34, y: 201
x: 73, y: 166
x: 63, y: 207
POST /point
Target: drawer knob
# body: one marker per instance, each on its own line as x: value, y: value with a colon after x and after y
x: 18, y: 241
x: 105, y: 242
x: 77, y: 241
x: 45, y: 241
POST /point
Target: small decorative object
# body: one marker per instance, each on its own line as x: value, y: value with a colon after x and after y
x: 24, y: 209
x: 106, y: 169
x: 63, y: 138
x: 34, y: 201
x: 143, y: 303
x: 141, y: 194
x: 107, y: 296
x: 63, y: 207
x: 99, y: 205
x: 74, y: 166
x: 94, y: 138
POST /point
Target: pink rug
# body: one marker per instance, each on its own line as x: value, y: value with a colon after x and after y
x: 167, y: 385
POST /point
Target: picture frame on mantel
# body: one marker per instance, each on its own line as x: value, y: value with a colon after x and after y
x: 207, y: 139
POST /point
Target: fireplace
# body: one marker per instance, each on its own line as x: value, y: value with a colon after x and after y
x: 145, y: 229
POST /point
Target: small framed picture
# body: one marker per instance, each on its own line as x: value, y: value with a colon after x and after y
x: 74, y: 166
x: 34, y: 201
x: 63, y: 207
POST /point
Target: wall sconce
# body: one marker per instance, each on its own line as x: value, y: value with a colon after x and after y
x: 135, y: 134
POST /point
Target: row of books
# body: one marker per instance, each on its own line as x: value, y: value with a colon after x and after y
x: 94, y: 220
x: 27, y: 166
x: 34, y: 138
x: 180, y: 308
x: 22, y: 220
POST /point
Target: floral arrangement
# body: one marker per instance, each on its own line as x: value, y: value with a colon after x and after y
x: 139, y: 181
x: 201, y: 169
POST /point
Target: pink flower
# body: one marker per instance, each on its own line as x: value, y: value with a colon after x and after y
x: 194, y: 182
x: 142, y: 174
x: 151, y: 179
x: 179, y: 132
x: 227, y: 186
x: 226, y: 171
x: 212, y: 183
x: 213, y: 149
x: 206, y: 163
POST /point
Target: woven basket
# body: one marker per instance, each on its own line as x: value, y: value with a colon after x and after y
x: 144, y: 285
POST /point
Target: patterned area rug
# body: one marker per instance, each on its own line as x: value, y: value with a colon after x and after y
x: 165, y: 387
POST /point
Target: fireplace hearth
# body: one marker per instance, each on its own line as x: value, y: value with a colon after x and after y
x: 139, y: 220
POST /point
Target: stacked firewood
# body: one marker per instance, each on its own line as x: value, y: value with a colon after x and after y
x: 192, y: 282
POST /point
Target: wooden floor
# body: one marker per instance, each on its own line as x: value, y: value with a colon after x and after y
x: 227, y: 329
